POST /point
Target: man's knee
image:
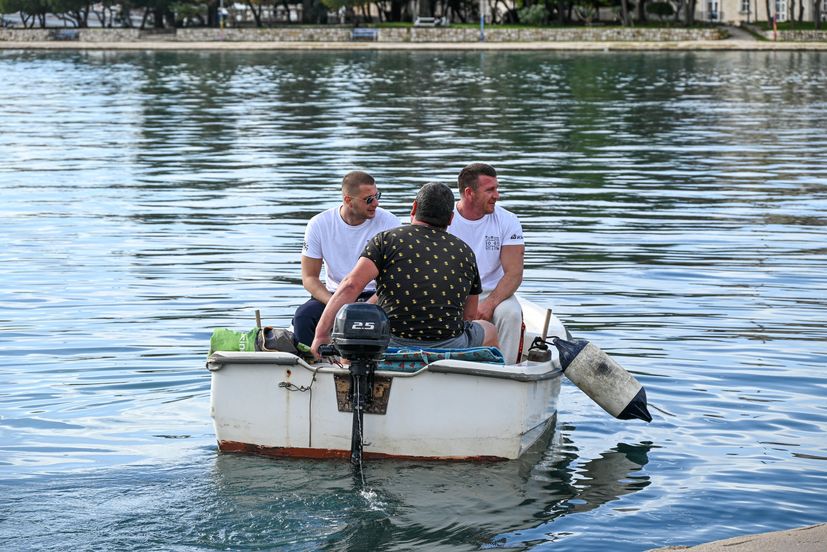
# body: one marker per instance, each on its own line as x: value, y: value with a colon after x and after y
x: 490, y: 333
x: 305, y: 320
x: 509, y: 311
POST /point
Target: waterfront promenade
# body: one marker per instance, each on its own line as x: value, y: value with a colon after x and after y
x: 812, y: 538
x: 686, y: 45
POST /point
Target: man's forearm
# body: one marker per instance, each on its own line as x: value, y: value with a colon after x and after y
x: 317, y: 290
x: 507, y: 286
x: 345, y: 293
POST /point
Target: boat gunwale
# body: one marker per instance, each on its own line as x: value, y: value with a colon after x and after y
x: 447, y: 366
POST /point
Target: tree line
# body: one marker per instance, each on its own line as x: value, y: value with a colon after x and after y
x: 161, y: 14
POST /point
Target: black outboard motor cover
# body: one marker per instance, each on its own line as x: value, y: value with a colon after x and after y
x: 361, y: 331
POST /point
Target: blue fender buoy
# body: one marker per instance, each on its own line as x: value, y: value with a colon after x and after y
x: 607, y: 383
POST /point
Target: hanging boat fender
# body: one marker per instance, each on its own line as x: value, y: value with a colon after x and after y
x: 601, y: 378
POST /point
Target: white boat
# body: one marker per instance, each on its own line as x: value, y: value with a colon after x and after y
x: 276, y: 404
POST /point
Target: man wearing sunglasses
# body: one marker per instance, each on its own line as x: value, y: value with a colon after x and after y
x: 496, y: 236
x: 335, y: 238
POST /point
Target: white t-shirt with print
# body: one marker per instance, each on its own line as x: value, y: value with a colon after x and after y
x: 339, y: 244
x: 486, y: 237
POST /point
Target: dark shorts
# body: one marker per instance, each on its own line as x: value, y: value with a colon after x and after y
x: 472, y: 336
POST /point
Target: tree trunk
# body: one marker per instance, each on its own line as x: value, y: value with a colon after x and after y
x: 169, y: 18
x: 817, y: 13
x: 307, y: 11
x: 769, y: 14
x: 678, y: 11
x: 424, y: 9
x: 624, y: 12
x: 690, y: 12
x: 256, y: 14
x: 396, y: 10
x: 126, y: 19
x: 641, y: 11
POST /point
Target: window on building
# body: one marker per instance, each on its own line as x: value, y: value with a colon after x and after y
x: 781, y: 10
x: 745, y: 6
x: 712, y: 10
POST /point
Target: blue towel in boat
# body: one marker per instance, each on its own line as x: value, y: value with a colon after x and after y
x: 409, y: 359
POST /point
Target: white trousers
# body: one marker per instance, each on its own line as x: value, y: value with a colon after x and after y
x: 508, y: 318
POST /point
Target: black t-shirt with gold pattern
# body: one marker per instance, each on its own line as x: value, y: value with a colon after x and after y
x: 425, y: 276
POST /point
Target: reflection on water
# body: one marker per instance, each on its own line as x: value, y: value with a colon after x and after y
x: 674, y: 209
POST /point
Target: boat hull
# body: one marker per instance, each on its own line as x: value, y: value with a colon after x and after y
x: 276, y: 404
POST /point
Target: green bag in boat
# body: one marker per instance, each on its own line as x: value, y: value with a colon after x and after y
x: 223, y: 339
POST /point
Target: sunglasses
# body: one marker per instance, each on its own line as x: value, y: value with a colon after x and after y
x: 370, y: 199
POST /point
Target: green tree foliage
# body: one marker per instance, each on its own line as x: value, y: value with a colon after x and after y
x: 107, y: 11
x: 160, y: 12
x: 32, y: 12
x: 536, y: 14
x: 74, y: 11
x: 188, y: 14
x: 586, y: 11
x: 661, y: 9
x: 334, y: 5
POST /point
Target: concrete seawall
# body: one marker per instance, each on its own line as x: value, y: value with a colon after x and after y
x: 698, y: 45
x: 335, y: 33
x: 308, y: 37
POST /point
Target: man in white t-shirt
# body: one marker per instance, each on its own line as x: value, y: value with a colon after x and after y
x: 496, y: 236
x: 336, y: 238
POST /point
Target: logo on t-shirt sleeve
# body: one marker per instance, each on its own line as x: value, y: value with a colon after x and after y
x: 516, y: 236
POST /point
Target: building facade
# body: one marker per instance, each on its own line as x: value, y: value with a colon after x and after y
x: 749, y: 11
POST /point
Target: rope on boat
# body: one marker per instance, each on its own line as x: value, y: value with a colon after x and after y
x: 293, y: 387
x: 289, y: 386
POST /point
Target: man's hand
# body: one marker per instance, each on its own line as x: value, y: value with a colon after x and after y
x: 317, y: 342
x: 485, y: 310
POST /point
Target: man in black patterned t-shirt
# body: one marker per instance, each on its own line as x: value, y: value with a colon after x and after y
x: 426, y: 280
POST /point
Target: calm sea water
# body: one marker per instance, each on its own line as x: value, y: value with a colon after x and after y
x: 675, y: 208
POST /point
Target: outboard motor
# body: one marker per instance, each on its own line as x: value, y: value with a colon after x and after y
x: 361, y: 333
